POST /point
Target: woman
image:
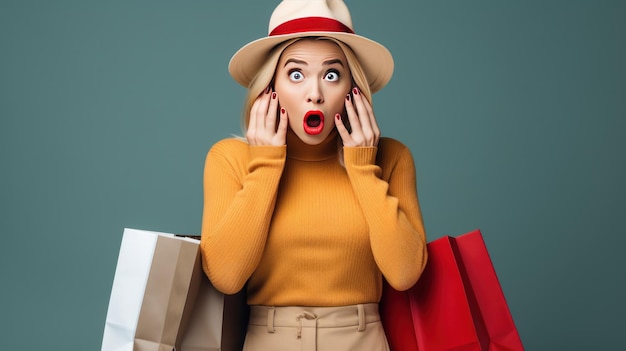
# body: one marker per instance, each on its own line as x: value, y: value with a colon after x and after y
x: 314, y: 208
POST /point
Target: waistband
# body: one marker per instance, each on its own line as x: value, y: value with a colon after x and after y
x: 325, y: 317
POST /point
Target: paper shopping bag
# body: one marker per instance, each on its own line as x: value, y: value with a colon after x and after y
x: 216, y: 322
x: 161, y: 300
x: 395, y: 314
x: 487, y: 292
x: 457, y: 304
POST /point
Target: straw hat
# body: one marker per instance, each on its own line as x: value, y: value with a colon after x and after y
x: 324, y: 18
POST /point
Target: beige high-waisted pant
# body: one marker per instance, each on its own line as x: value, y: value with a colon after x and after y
x: 354, y: 327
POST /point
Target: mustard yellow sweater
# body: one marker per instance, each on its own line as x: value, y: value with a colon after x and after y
x: 303, y: 230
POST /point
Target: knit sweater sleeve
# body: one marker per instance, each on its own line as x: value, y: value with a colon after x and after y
x: 240, y: 185
x: 390, y: 205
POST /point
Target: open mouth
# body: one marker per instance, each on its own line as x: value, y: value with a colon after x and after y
x: 313, y: 122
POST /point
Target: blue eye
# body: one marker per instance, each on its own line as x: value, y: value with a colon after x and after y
x: 296, y: 76
x: 332, y: 76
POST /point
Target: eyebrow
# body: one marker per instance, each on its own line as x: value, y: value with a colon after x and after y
x: 333, y: 61
x: 325, y: 63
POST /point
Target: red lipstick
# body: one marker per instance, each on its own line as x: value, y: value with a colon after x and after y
x: 313, y: 122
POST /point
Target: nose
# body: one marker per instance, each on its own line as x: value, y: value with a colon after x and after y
x: 315, y: 94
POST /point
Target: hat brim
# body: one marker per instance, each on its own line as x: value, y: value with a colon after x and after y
x: 375, y: 59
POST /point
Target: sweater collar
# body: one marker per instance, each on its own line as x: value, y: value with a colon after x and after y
x: 297, y: 149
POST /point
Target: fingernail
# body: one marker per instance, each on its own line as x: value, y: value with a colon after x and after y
x: 267, y: 90
x: 355, y: 91
x: 273, y: 96
x: 282, y: 110
x: 347, y: 97
x: 338, y: 116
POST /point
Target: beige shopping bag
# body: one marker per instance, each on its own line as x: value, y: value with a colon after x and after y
x: 214, y: 321
x: 162, y: 301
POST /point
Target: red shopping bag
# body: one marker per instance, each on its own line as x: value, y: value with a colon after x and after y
x: 479, y: 270
x: 395, y: 314
x: 457, y: 304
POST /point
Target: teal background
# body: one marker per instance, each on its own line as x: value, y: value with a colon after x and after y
x: 514, y: 110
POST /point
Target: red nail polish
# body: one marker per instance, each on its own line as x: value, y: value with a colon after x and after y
x: 355, y: 91
x: 273, y: 96
x: 338, y: 116
x: 347, y: 97
x: 282, y: 110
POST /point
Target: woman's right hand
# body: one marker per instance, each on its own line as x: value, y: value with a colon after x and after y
x: 262, y: 128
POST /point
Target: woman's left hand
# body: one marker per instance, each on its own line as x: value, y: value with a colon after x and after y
x: 365, y: 131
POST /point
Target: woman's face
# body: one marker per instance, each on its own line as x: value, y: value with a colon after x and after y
x: 312, y: 81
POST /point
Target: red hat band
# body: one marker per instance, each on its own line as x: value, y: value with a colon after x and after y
x: 310, y: 24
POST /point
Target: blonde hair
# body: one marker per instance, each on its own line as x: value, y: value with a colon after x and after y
x: 265, y: 76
